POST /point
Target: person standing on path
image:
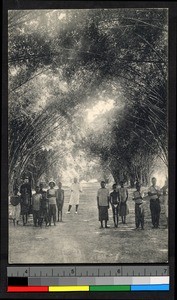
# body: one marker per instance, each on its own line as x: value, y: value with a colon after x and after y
x: 154, y: 194
x: 60, y: 200
x: 114, y: 200
x: 75, y: 195
x: 139, y: 210
x: 51, y: 196
x: 16, y: 207
x: 26, y: 196
x: 103, y: 204
x: 36, y: 205
x: 44, y: 206
x: 165, y: 198
x: 123, y: 197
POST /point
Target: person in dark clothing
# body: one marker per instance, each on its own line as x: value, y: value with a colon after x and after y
x: 164, y: 191
x: 139, y: 210
x: 44, y: 210
x: 26, y: 195
x: 123, y: 197
x: 36, y: 204
x: 103, y: 204
x: 114, y: 200
x: 15, y: 200
x: 154, y: 194
x: 60, y: 200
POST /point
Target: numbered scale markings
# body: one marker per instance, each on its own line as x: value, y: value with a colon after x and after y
x: 88, y: 278
x: 88, y: 271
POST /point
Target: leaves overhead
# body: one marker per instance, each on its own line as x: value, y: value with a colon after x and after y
x: 63, y: 62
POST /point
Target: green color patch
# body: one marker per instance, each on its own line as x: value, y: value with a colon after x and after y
x: 109, y: 288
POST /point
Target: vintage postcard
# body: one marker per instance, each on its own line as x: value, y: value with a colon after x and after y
x: 88, y: 135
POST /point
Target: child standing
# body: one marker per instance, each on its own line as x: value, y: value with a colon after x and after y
x: 44, y: 206
x: 103, y: 204
x: 26, y: 195
x: 114, y: 200
x: 16, y: 208
x: 123, y: 197
x: 60, y: 200
x: 51, y: 195
x: 139, y: 210
x: 36, y: 205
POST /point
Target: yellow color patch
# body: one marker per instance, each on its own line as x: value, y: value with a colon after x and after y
x: 69, y: 288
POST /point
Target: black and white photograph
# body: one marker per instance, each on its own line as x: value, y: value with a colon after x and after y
x: 88, y: 136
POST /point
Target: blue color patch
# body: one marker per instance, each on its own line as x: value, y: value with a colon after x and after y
x: 150, y: 287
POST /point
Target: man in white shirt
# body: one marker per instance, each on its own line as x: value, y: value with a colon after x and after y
x: 154, y: 194
x: 75, y: 195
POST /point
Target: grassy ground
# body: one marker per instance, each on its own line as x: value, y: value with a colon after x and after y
x: 78, y: 238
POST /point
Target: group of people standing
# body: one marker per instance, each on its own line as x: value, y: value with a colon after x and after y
x: 118, y: 201
x: 43, y: 205
x: 47, y: 206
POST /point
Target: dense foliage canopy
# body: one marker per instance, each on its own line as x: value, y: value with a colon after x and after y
x: 64, y: 65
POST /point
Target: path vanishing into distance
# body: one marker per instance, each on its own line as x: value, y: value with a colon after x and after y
x: 78, y: 238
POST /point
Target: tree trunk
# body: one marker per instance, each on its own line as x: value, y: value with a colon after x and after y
x: 116, y: 175
x: 132, y: 182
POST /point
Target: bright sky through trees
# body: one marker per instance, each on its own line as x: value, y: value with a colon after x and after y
x: 88, y: 85
x: 99, y: 109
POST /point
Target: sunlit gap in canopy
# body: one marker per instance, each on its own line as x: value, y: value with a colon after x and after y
x: 99, y: 109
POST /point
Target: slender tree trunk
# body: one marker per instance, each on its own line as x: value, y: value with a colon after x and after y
x: 132, y: 181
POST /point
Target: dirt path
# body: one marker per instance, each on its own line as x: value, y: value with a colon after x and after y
x: 78, y: 238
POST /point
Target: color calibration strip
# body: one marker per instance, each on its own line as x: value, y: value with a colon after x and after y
x: 79, y: 284
x: 94, y: 288
x: 88, y: 278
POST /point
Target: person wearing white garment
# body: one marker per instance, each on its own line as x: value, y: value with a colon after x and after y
x: 75, y: 195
